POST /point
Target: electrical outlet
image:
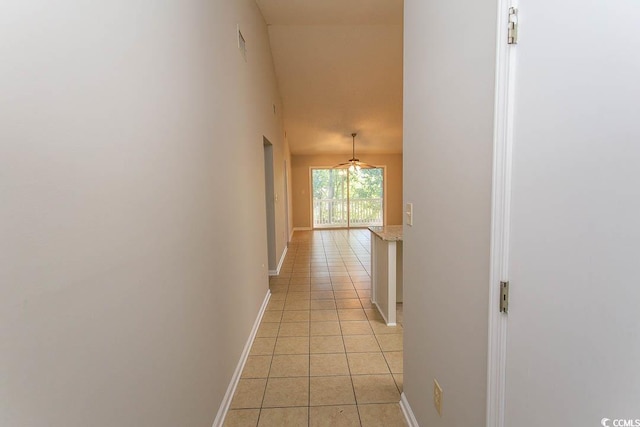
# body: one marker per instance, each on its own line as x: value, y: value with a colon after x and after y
x: 437, y: 396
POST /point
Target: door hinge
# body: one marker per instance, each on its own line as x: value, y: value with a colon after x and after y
x: 504, y: 297
x: 512, y: 34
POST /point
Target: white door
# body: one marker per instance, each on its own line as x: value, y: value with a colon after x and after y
x: 573, y: 342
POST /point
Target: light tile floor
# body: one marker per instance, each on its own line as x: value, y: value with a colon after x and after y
x: 323, y: 355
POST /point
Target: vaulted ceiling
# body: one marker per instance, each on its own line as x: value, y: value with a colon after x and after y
x: 339, y: 69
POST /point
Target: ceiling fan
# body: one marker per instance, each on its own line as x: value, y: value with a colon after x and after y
x: 354, y: 164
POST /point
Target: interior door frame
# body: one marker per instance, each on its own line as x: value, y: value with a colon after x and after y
x: 270, y: 205
x: 500, y: 216
x: 384, y: 197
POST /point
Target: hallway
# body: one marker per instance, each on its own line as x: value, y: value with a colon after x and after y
x: 322, y: 355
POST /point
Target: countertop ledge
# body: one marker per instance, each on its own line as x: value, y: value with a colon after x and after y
x: 388, y: 232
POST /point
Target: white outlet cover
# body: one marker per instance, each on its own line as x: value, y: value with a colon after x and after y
x: 437, y: 396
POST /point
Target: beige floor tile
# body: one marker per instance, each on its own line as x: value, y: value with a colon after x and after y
x: 345, y: 294
x: 387, y: 415
x: 292, y: 345
x: 363, y: 293
x: 336, y: 390
x: 284, y: 392
x: 300, y: 287
x: 326, y: 344
x: 268, y: 330
x: 352, y: 314
x: 256, y: 367
x: 296, y: 305
x: 275, y: 305
x: 295, y: 316
x: 334, y: 416
x: 322, y: 295
x: 299, y: 274
x: 248, y: 394
x: 294, y: 329
x: 272, y: 316
x: 242, y: 418
x: 399, y: 378
x: 320, y: 275
x: 295, y: 295
x: 356, y: 327
x: 375, y: 389
x: 367, y: 363
x: 289, y: 365
x: 316, y: 287
x: 373, y: 314
x: 275, y: 289
x: 349, y: 303
x: 323, y: 304
x: 380, y: 328
x: 343, y: 286
x: 278, y: 297
x: 280, y: 417
x: 262, y: 347
x: 339, y: 274
x: 328, y: 364
x: 366, y: 303
x: 394, y: 360
x: 324, y: 328
x: 323, y: 315
x: 321, y: 280
x: 362, y: 284
x: 390, y: 342
x: 361, y: 344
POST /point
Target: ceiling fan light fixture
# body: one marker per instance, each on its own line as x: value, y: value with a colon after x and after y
x: 354, y: 164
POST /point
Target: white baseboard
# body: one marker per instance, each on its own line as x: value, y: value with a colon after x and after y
x: 382, y: 314
x: 226, y: 402
x: 408, y: 413
x: 302, y: 228
x: 277, y: 270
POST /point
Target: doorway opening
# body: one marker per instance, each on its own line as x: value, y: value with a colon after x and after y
x: 347, y: 199
x: 269, y: 191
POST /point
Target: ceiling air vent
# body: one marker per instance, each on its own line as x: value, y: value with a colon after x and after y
x: 242, y: 44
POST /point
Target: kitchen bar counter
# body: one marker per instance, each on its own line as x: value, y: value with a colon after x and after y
x: 386, y: 270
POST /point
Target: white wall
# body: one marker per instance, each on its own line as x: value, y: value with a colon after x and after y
x: 448, y: 129
x: 132, y: 231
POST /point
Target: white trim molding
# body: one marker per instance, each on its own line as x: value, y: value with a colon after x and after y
x: 407, y: 411
x: 501, y: 217
x: 276, y: 272
x: 226, y: 401
x: 301, y: 229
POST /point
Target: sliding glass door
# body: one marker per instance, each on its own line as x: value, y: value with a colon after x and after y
x: 342, y: 198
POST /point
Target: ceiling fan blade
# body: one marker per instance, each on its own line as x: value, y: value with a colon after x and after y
x: 367, y: 166
x: 341, y: 165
